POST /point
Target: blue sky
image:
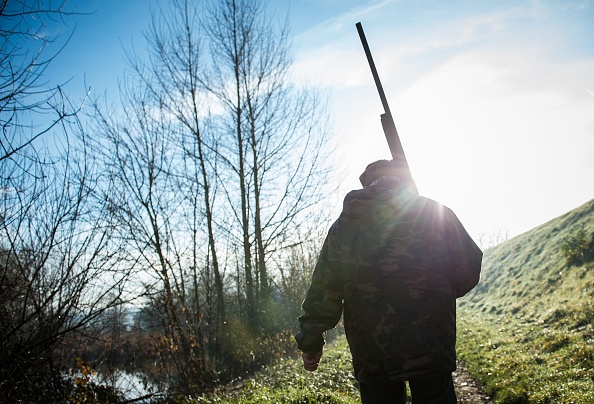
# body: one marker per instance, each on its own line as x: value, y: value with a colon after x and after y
x: 493, y: 100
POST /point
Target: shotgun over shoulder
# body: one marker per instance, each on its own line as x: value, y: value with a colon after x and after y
x: 386, y: 118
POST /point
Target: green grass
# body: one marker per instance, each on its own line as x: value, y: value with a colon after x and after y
x: 527, y: 331
x: 288, y: 383
x: 527, y: 362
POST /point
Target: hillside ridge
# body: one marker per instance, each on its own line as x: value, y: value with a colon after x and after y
x: 531, y: 265
x: 526, y: 332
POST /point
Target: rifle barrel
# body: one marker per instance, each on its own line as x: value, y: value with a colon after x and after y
x: 376, y: 78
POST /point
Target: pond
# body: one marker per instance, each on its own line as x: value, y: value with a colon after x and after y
x: 132, y: 385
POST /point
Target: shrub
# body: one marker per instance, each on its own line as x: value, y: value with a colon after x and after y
x: 575, y: 249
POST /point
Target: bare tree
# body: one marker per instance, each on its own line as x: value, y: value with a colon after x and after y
x: 173, y: 77
x: 273, y: 137
x: 143, y: 161
x: 58, y: 270
x: 214, y: 162
x: 295, y: 271
x: 29, y: 107
x: 493, y: 239
x: 58, y: 266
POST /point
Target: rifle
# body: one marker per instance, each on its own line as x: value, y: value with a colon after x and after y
x: 386, y: 118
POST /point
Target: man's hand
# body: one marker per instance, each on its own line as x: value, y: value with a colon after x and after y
x: 311, y: 360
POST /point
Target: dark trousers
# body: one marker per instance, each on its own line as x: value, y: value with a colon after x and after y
x: 431, y: 390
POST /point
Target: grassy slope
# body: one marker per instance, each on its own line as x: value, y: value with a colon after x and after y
x: 527, y: 331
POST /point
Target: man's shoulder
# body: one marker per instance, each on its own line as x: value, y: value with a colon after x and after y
x: 362, y: 193
x: 424, y: 202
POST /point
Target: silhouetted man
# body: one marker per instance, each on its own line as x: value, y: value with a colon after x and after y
x: 395, y: 262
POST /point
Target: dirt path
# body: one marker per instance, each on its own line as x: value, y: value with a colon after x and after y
x: 467, y: 390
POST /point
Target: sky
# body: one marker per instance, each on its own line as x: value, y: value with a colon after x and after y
x: 493, y: 100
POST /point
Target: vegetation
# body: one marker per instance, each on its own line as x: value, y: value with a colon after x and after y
x: 54, y: 241
x: 216, y: 162
x: 527, y: 331
x: 169, y: 233
x: 577, y: 248
x: 287, y: 382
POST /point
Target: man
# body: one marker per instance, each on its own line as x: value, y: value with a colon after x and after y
x: 395, y: 262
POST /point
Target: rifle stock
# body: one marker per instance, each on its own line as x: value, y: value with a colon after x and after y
x: 388, y: 124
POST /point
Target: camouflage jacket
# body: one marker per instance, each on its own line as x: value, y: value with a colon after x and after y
x: 395, y: 262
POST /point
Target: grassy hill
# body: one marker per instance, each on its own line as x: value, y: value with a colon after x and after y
x: 527, y: 331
